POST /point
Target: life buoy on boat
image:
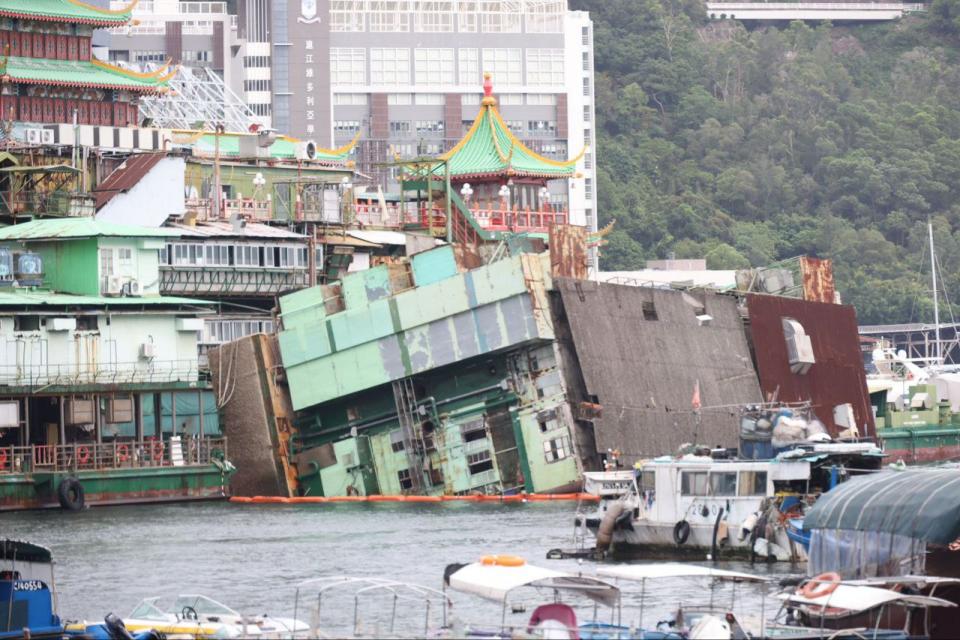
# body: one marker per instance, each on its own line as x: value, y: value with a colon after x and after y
x: 123, y: 452
x: 83, y: 455
x: 70, y: 494
x: 156, y: 451
x: 681, y: 531
x: 3, y: 458
x: 821, y: 585
x: 503, y: 561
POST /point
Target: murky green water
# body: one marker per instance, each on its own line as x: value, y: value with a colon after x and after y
x: 251, y: 556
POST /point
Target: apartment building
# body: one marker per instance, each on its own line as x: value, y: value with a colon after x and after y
x: 192, y: 34
x: 406, y: 75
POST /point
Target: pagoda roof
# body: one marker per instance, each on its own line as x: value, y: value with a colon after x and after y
x: 489, y: 149
x: 74, y: 11
x: 82, y: 73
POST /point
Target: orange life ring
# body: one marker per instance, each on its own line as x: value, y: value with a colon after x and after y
x: 123, y: 452
x: 83, y: 455
x: 3, y: 458
x: 503, y: 561
x: 821, y: 585
x: 157, y: 451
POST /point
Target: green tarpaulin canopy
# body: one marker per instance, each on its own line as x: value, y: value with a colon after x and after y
x: 920, y: 504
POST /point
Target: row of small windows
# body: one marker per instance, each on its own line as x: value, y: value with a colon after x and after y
x: 256, y: 85
x: 447, y: 16
x: 238, y: 255
x: 445, y: 66
x: 255, y: 62
x: 437, y: 99
x: 220, y: 331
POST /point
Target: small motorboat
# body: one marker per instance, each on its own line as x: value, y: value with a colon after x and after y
x: 198, y: 616
x: 514, y: 584
x: 28, y: 595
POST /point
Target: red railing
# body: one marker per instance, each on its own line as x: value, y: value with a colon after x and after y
x: 120, y: 454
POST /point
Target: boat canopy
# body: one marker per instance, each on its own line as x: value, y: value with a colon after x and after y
x: 919, y: 504
x: 858, y: 598
x: 495, y: 582
x: 641, y: 572
x: 20, y: 551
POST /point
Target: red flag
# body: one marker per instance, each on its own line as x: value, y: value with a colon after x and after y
x: 696, y: 396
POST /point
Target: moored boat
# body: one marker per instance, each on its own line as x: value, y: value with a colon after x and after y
x: 700, y: 505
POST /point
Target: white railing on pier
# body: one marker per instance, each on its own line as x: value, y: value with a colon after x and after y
x: 834, y: 11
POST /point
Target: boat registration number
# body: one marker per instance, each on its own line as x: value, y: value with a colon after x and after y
x: 29, y: 585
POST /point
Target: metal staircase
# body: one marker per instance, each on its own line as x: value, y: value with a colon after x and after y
x: 405, y: 399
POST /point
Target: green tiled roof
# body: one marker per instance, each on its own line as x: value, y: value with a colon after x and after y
x: 84, y: 73
x: 73, y: 228
x: 491, y: 149
x: 284, y: 147
x: 64, y: 11
x: 11, y: 297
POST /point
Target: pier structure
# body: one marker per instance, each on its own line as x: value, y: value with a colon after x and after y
x: 813, y: 11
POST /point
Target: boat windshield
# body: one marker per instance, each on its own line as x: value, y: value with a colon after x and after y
x: 182, y: 606
x: 203, y: 605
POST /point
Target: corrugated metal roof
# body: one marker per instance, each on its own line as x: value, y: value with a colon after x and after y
x: 126, y: 176
x: 227, y: 230
x: 837, y: 377
x: 22, y: 297
x: 72, y: 228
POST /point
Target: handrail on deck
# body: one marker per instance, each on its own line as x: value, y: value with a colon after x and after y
x: 120, y: 454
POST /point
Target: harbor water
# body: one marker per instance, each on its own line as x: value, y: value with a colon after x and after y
x: 251, y: 557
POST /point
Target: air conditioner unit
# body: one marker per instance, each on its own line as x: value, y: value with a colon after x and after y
x: 133, y: 288
x: 306, y: 150
x: 46, y: 136
x: 799, y: 347
x: 114, y: 286
x: 148, y: 351
x: 34, y: 136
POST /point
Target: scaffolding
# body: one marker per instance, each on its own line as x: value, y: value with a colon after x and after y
x: 198, y: 100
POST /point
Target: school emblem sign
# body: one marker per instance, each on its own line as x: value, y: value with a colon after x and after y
x: 308, y: 12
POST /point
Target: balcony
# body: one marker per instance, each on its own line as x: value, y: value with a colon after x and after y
x: 52, y: 203
x: 239, y: 281
x: 120, y: 454
x: 246, y: 208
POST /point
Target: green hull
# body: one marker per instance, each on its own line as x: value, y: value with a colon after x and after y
x: 921, y: 446
x: 115, y: 486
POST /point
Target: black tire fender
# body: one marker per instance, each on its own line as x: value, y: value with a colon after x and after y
x: 70, y: 494
x: 681, y: 532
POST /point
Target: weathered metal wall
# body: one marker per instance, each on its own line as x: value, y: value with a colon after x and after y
x: 381, y: 337
x: 643, y: 371
x: 817, y: 277
x: 568, y: 251
x: 836, y: 378
x: 252, y: 409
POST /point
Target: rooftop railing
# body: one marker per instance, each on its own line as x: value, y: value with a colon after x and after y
x: 112, y: 373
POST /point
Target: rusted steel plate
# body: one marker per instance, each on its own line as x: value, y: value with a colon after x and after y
x: 817, y: 276
x: 568, y: 251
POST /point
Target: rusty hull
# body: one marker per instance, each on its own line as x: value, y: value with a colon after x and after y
x: 836, y: 378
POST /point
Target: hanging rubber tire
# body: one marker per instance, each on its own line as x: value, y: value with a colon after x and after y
x: 70, y: 494
x: 714, y: 547
x: 681, y: 531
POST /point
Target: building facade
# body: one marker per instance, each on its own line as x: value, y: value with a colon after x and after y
x: 191, y: 34
x: 406, y: 76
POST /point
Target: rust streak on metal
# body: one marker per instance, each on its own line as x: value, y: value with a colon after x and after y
x: 817, y: 279
x: 568, y: 251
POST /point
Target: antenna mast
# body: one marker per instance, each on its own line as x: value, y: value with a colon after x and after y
x: 936, y: 300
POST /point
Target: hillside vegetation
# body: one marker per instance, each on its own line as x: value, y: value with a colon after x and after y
x: 746, y: 146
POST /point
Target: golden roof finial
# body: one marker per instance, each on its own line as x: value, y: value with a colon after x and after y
x: 488, y: 99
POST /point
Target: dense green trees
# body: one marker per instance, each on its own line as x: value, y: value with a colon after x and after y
x: 749, y: 146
